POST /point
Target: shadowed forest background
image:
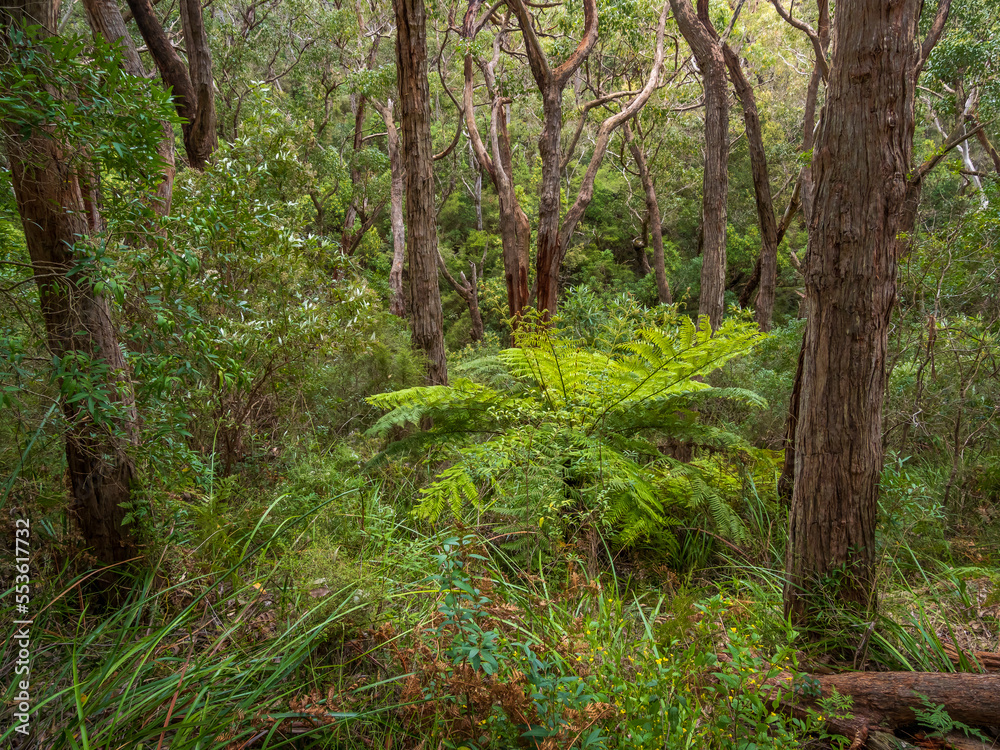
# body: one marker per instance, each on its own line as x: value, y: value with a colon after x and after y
x: 590, y: 374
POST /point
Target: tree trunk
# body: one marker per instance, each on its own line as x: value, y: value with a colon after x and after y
x: 762, y: 192
x: 791, y: 209
x: 469, y: 291
x: 515, y: 231
x: 421, y: 236
x: 397, y: 301
x: 882, y: 702
x: 348, y: 237
x: 200, y: 139
x: 860, y: 164
x: 653, y: 219
x: 476, y: 330
x: 889, y: 698
x: 984, y: 141
x: 106, y: 20
x: 478, y: 198
x: 715, y: 187
x: 79, y: 330
x: 193, y: 92
x: 551, y: 83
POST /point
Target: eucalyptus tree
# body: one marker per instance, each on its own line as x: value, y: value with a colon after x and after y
x: 60, y: 157
x: 653, y: 223
x: 495, y: 158
x: 554, y: 229
x: 192, y: 84
x: 861, y: 164
x: 707, y: 48
x: 427, y: 322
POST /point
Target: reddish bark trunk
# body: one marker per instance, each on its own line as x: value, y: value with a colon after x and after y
x: 515, y: 231
x: 426, y: 316
x: 106, y: 20
x: 551, y: 83
x: 586, y: 191
x: 791, y: 209
x: 78, y: 324
x: 861, y: 160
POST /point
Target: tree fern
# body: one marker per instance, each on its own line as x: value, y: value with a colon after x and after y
x: 567, y: 435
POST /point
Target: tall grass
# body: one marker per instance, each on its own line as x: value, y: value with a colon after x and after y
x: 210, y: 661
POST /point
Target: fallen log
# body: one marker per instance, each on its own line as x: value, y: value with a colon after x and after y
x: 987, y: 660
x: 885, y: 701
x: 972, y: 699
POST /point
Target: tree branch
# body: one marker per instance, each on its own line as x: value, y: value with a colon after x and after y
x: 937, y: 27
x: 824, y: 67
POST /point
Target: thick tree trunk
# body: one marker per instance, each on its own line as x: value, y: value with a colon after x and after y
x: 397, y: 301
x: 762, y: 192
x: 421, y: 233
x: 653, y: 219
x: 54, y: 212
x: 860, y: 164
x: 106, y: 20
x: 715, y: 187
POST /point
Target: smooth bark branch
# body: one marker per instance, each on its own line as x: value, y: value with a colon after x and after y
x: 551, y: 84
x: 583, y: 121
x: 984, y: 141
x: 915, y: 185
x: 348, y: 237
x: 819, y: 47
x: 458, y: 120
x: 934, y: 34
x: 515, y: 230
x: 469, y: 291
x: 426, y: 317
x: 586, y: 191
x: 715, y: 186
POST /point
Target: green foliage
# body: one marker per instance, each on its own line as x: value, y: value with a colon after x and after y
x: 936, y: 718
x: 579, y: 436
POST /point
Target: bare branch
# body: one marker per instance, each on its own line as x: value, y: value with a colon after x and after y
x: 824, y: 67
